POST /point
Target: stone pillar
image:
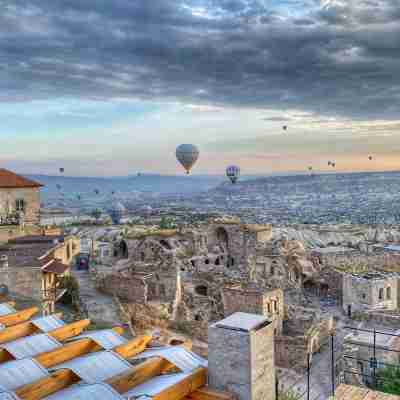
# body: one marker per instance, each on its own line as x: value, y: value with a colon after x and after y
x: 241, y: 356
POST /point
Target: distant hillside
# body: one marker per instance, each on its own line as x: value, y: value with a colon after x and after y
x: 144, y: 183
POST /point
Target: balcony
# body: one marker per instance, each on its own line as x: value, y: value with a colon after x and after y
x: 9, y: 219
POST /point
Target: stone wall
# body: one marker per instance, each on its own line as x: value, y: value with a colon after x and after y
x: 291, y: 352
x: 131, y: 289
x: 31, y: 197
x: 23, y: 282
x: 360, y: 293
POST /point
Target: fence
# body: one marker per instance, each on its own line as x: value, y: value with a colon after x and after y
x: 336, y: 365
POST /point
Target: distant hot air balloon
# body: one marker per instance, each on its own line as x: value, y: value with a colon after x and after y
x: 370, y: 158
x: 233, y: 173
x: 113, y: 193
x: 187, y: 155
x: 61, y: 170
x: 333, y: 164
x: 139, y: 174
x: 284, y: 127
x: 96, y: 191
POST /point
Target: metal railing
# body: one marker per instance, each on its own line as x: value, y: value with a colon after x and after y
x: 340, y: 371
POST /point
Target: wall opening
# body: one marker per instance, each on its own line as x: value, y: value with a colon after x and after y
x: 388, y: 293
x: 201, y: 290
x: 222, y: 238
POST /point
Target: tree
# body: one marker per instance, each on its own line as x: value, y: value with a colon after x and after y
x: 167, y: 223
x: 388, y: 380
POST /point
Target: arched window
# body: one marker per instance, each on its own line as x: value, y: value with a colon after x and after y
x: 388, y: 293
x: 217, y: 262
x: 207, y: 261
x: 380, y: 295
x: 272, y: 270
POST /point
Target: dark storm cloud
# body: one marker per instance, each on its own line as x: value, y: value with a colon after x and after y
x: 340, y: 57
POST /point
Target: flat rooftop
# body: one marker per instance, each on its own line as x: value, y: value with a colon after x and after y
x: 243, y: 322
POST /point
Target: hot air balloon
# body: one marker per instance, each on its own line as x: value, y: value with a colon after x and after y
x: 187, y: 155
x: 96, y: 191
x: 113, y: 193
x: 78, y: 196
x: 333, y: 164
x: 61, y: 170
x: 233, y: 173
x: 284, y: 127
x: 370, y: 158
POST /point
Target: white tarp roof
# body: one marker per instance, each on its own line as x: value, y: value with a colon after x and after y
x: 14, y: 374
x: 185, y: 360
x: 6, y: 309
x: 154, y: 386
x: 106, y: 338
x: 97, y: 367
x: 49, y: 323
x: 97, y: 391
x: 31, y: 345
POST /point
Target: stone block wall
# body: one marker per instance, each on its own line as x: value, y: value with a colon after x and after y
x: 127, y: 288
x: 291, y: 352
x: 23, y: 282
x: 31, y: 197
x: 242, y: 362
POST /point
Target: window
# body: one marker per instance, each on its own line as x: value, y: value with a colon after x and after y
x: 275, y: 306
x: 201, y: 290
x: 388, y: 293
x: 20, y: 204
x: 269, y: 308
x: 272, y: 270
x: 380, y: 296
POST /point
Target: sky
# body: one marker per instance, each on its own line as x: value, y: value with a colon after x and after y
x: 105, y: 88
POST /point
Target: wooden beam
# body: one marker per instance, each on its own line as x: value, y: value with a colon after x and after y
x: 183, y: 388
x: 133, y: 347
x: 41, y: 388
x: 139, y: 374
x: 18, y: 317
x: 20, y: 330
x: 206, y: 393
x: 70, y: 351
x: 69, y: 330
x: 143, y: 372
x: 64, y: 378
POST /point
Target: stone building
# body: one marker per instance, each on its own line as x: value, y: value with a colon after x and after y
x: 254, y: 300
x: 19, y: 199
x: 370, y: 291
x: 31, y: 266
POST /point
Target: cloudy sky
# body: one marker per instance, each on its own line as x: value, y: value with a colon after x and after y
x: 110, y: 87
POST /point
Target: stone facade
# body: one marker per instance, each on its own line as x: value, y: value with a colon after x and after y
x: 11, y: 198
x: 242, y: 361
x: 370, y: 291
x: 255, y: 301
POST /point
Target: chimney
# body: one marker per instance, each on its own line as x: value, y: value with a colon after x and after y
x: 241, y: 356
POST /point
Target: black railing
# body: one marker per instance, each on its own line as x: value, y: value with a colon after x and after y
x: 340, y: 372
